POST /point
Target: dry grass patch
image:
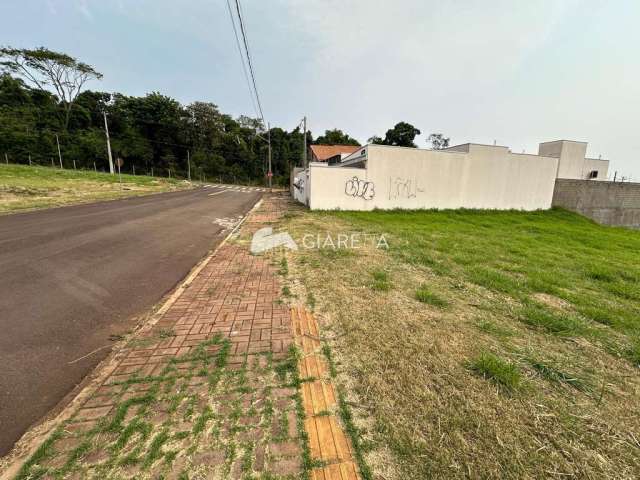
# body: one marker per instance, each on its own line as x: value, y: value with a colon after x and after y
x: 556, y: 397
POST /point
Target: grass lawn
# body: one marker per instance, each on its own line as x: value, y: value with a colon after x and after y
x: 27, y: 188
x: 482, y: 344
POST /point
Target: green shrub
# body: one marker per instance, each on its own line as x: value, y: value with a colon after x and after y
x: 499, y: 371
x: 381, y: 281
x: 425, y: 296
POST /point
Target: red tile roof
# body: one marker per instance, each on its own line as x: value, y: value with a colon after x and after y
x: 324, y: 152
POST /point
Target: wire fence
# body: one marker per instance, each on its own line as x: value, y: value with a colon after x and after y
x: 150, y: 171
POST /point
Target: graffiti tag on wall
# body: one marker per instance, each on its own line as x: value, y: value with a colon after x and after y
x: 355, y: 187
x: 403, y: 188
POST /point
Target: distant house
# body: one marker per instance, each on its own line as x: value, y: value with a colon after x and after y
x: 331, y: 154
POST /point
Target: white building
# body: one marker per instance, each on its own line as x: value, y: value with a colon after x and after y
x: 463, y: 176
x: 573, y: 161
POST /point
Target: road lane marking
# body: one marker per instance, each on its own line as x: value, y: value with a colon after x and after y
x: 216, y: 193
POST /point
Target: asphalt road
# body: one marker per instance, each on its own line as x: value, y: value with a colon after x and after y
x: 71, y: 277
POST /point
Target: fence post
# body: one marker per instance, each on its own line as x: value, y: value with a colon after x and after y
x: 59, y: 152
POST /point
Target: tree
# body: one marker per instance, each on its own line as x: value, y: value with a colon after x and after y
x: 336, y: 137
x: 43, y: 67
x: 154, y: 132
x: 438, y: 141
x: 402, y: 135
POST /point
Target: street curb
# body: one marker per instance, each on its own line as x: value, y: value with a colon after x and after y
x: 102, y: 371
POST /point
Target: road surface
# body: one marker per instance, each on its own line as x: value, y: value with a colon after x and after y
x: 72, y: 277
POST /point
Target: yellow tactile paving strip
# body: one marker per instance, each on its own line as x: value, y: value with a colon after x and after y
x: 327, y: 440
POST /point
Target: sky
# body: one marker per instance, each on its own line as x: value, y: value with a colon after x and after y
x: 517, y: 73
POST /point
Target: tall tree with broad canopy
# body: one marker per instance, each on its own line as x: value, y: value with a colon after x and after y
x: 336, y: 137
x: 401, y: 135
x: 438, y: 141
x: 45, y: 68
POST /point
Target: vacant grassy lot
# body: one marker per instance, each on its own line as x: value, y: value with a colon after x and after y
x: 26, y: 188
x: 482, y: 344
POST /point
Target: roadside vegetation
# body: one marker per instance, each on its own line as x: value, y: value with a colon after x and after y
x: 29, y: 187
x: 482, y: 344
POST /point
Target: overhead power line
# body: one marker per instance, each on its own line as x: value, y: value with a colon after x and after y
x: 242, y: 60
x: 249, y: 60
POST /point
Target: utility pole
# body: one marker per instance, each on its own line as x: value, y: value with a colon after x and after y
x: 29, y: 159
x: 270, y: 174
x: 304, y: 151
x: 188, y: 165
x: 106, y: 131
x: 59, y: 153
x: 119, y: 174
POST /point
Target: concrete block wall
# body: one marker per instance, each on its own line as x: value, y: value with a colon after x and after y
x: 608, y: 203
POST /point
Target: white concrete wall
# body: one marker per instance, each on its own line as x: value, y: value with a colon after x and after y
x: 332, y: 188
x: 571, y: 155
x: 486, y: 177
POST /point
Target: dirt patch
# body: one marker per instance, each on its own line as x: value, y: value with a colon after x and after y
x: 552, y: 301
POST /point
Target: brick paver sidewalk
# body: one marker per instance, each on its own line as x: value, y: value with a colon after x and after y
x: 207, y: 392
